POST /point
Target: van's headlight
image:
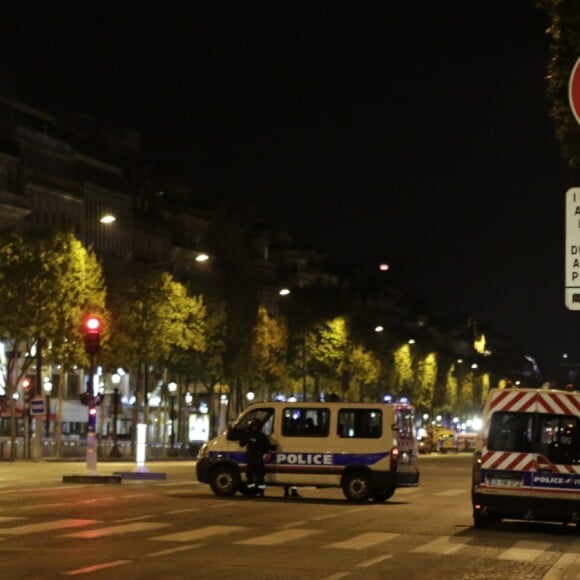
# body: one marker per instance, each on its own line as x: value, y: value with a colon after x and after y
x: 203, y: 452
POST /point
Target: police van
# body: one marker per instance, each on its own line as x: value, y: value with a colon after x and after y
x: 366, y: 449
x: 527, y: 462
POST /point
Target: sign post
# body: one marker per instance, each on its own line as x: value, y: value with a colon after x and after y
x: 572, y: 251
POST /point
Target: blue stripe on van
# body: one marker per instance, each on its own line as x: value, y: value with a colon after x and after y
x: 296, y: 458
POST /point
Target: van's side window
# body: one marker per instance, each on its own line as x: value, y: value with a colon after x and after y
x: 510, y: 432
x: 559, y: 438
x: 360, y: 423
x: 305, y: 422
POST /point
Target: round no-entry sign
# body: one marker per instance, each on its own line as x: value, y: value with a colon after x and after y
x: 574, y: 90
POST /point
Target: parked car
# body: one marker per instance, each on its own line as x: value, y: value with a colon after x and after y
x: 425, y: 445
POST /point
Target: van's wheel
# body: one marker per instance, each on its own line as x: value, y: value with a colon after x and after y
x: 224, y: 480
x: 383, y: 494
x: 356, y: 486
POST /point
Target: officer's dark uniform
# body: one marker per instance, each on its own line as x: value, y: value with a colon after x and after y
x: 257, y: 444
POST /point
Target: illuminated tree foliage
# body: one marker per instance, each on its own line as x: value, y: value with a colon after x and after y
x: 564, y: 33
x: 402, y: 371
x: 154, y: 321
x: 269, y: 348
x: 364, y: 370
x: 426, y: 380
x: 46, y: 284
x: 325, y: 348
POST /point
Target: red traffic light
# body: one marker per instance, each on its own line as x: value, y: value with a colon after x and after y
x: 92, y: 324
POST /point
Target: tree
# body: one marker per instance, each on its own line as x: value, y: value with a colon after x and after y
x: 426, y: 380
x: 364, y: 371
x: 269, y: 349
x: 154, y: 321
x: 46, y: 282
x: 325, y: 350
x: 564, y: 33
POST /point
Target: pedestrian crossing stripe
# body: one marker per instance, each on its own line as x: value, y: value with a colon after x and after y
x: 46, y: 527
x: 279, y: 537
x: 199, y: 534
x: 116, y: 530
x: 362, y: 541
x: 524, y: 551
x: 442, y: 545
x: 451, y: 492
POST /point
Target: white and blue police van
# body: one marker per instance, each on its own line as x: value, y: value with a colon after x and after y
x: 367, y: 449
x: 527, y: 462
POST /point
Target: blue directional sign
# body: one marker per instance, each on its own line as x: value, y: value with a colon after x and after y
x: 37, y: 407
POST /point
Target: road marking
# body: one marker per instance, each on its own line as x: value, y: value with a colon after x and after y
x: 115, y: 530
x: 524, y: 551
x: 46, y: 527
x: 184, y: 511
x: 10, y: 518
x: 374, y: 561
x: 566, y: 566
x: 199, y: 534
x: 361, y: 541
x: 278, y: 537
x: 337, y: 576
x: 88, y: 569
x: 452, y: 492
x: 170, y: 551
x: 293, y: 525
x: 408, y: 490
x: 442, y: 545
x: 326, y: 517
x: 135, y: 519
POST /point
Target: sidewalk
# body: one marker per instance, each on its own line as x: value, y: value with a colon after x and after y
x: 51, y: 470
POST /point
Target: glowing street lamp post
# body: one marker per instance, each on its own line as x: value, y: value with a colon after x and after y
x: 47, y: 388
x: 172, y: 388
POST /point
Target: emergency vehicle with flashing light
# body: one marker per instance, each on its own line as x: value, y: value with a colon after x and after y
x: 527, y: 462
x: 367, y: 449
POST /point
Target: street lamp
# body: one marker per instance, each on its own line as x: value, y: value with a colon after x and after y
x: 116, y: 380
x: 172, y: 388
x: 250, y: 396
x: 47, y: 388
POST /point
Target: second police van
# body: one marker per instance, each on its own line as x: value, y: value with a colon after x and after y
x: 367, y: 449
x: 527, y: 465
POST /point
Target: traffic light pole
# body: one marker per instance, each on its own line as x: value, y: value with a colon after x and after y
x: 91, y: 459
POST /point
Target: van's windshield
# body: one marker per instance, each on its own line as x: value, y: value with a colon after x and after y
x: 556, y: 437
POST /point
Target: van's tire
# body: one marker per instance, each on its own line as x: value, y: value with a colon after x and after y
x: 224, y: 480
x: 356, y: 486
x: 381, y: 495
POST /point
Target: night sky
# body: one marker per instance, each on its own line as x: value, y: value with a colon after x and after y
x: 416, y: 132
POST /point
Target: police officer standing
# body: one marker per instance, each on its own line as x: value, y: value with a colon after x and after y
x: 256, y: 444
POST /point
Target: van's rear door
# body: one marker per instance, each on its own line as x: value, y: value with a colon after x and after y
x: 557, y: 445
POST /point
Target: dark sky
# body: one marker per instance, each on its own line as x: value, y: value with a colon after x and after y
x: 412, y: 131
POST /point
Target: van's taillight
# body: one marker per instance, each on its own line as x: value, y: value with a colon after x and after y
x: 394, y: 458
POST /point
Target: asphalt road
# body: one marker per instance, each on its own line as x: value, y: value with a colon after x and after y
x: 174, y: 527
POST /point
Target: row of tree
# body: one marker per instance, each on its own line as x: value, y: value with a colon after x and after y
x: 205, y: 332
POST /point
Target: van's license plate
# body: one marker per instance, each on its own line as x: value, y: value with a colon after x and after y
x: 504, y: 482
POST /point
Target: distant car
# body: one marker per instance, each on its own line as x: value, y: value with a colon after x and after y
x: 466, y: 441
x: 425, y: 445
x: 447, y: 443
